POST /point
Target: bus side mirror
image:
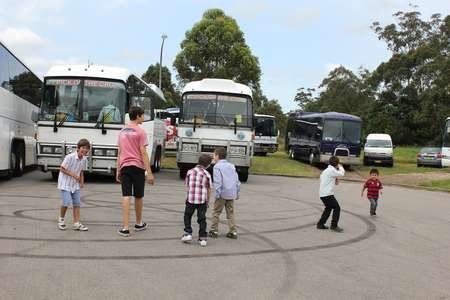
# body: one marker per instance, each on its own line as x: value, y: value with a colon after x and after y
x: 34, y: 116
x: 278, y: 133
x: 127, y: 118
x: 394, y: 146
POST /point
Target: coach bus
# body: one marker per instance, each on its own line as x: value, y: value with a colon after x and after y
x: 446, y: 145
x: 315, y: 137
x: 20, y: 93
x: 171, y: 116
x: 266, y: 134
x: 92, y: 102
x: 216, y: 113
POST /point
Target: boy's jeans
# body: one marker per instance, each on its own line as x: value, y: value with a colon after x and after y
x: 373, y: 205
x: 229, y: 209
x: 201, y: 218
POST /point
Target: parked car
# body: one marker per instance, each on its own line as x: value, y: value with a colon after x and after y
x: 378, y: 148
x: 430, y: 156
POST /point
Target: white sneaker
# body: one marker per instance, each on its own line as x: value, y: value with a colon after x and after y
x: 79, y: 226
x: 203, y: 243
x: 186, y: 238
x: 61, y: 224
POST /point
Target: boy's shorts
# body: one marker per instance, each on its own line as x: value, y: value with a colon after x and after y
x: 133, y: 181
x: 70, y: 199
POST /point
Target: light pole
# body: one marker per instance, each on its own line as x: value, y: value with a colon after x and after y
x: 160, y: 58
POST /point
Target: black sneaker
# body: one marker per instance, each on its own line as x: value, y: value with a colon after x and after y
x: 141, y: 227
x: 336, y: 229
x: 213, y: 234
x: 123, y: 232
x: 321, y: 226
x: 232, y: 235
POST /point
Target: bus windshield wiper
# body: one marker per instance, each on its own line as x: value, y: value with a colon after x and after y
x: 102, y: 121
x: 195, y: 122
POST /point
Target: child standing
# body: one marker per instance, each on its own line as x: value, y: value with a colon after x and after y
x: 328, y: 180
x: 198, y: 181
x: 226, y: 186
x: 373, y: 186
x: 70, y: 181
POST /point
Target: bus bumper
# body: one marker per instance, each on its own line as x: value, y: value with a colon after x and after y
x: 345, y: 160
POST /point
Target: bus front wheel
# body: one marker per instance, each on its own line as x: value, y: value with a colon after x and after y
x: 243, y: 175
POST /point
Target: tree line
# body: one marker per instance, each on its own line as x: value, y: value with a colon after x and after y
x: 408, y: 96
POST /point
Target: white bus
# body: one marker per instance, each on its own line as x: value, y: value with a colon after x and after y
x: 446, y: 145
x: 215, y: 113
x: 92, y: 102
x: 20, y: 93
x: 266, y: 134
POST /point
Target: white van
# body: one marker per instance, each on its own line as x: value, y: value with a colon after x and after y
x: 378, y: 148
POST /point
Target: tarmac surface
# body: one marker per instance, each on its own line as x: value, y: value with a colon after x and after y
x: 402, y: 253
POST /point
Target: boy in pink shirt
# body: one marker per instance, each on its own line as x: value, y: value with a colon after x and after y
x: 133, y: 165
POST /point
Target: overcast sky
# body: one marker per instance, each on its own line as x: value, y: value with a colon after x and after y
x: 297, y: 42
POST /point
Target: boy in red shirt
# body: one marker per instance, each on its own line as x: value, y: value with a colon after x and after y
x: 373, y: 186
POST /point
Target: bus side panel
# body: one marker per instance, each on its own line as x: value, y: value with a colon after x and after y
x: 5, y: 143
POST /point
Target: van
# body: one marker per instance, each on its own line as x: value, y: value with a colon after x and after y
x: 378, y: 149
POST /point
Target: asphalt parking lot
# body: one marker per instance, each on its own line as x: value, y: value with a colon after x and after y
x: 402, y: 253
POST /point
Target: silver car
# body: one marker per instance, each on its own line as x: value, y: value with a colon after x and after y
x: 429, y: 156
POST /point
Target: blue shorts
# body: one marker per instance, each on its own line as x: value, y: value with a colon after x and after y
x: 70, y: 199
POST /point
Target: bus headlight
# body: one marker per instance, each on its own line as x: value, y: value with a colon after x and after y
x: 99, y: 152
x: 189, y: 147
x: 111, y: 152
x: 238, y: 150
x: 47, y: 149
x: 58, y: 150
x: 71, y: 149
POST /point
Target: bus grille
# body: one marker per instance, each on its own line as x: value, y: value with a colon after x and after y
x: 210, y: 148
x: 341, y: 152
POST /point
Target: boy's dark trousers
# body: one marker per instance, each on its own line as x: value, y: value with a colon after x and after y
x: 201, y: 218
x: 331, y: 204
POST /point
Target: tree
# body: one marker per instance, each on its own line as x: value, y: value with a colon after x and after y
x: 305, y: 99
x: 152, y: 76
x: 215, y: 48
x: 413, y: 86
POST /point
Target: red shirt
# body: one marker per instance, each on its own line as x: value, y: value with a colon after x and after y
x: 131, y: 139
x: 373, y: 188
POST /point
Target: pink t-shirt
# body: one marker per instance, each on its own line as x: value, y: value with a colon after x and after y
x: 131, y: 139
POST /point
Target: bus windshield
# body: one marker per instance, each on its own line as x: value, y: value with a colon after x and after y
x: 378, y: 143
x: 83, y: 100
x: 342, y: 131
x: 217, y: 109
x: 265, y: 127
x: 446, y: 138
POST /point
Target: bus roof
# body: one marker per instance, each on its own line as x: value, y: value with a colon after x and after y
x: 263, y: 116
x: 327, y: 115
x: 89, y: 71
x: 217, y: 85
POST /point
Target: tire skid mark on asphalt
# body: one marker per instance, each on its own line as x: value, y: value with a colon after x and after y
x: 371, y: 229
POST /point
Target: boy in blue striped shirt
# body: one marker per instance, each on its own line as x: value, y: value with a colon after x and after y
x: 70, y: 181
